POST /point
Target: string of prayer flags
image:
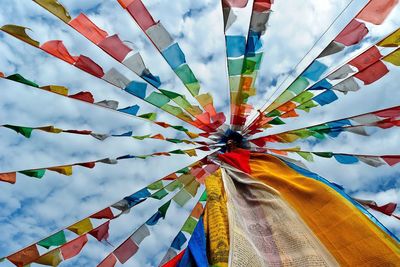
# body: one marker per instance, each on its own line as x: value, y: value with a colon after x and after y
x: 352, y: 34
x: 64, y: 249
x: 186, y: 230
x: 244, y: 57
x: 114, y: 47
x: 87, y: 97
x: 371, y: 160
x: 130, y: 246
x: 57, y: 49
x: 10, y: 177
x: 383, y: 119
x: 173, y: 55
x: 370, y: 68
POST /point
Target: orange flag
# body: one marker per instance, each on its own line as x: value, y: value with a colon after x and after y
x: 25, y: 256
x: 9, y: 177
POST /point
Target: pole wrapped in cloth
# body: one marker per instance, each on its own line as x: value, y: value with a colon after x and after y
x: 216, y: 221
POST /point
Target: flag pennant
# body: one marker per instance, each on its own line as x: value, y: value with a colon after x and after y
x: 87, y: 28
x: 53, y: 6
x: 372, y: 73
x: 20, y: 33
x: 100, y: 232
x: 110, y: 260
x: 376, y: 11
x: 113, y: 46
x: 392, y: 40
x: 52, y: 258
x: 354, y: 32
x: 9, y: 177
x: 73, y: 247
x: 57, y: 239
x: 366, y: 59
x: 24, y: 256
x: 57, y: 49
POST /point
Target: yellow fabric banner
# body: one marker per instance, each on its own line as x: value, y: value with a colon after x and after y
x: 345, y: 231
x: 265, y: 230
x: 216, y: 221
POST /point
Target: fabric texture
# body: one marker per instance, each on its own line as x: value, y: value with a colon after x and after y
x: 265, y: 230
x: 346, y: 232
x: 216, y: 221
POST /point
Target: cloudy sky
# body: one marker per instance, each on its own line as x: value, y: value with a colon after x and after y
x: 33, y: 208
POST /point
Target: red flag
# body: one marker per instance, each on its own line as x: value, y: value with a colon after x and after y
x: 238, y: 158
x: 175, y: 260
x: 101, y: 231
x: 84, y: 96
x: 262, y: 5
x: 234, y: 3
x: 263, y: 140
x: 170, y: 177
x: 57, y: 49
x: 377, y: 10
x: 88, y: 65
x: 140, y: 14
x: 126, y: 250
x: 372, y: 73
x: 388, y: 113
x: 89, y: 165
x: 391, y: 160
x: 110, y: 261
x: 115, y: 47
x: 387, y: 209
x: 352, y: 34
x: 88, y: 29
x: 73, y: 247
x: 103, y: 214
x: 366, y: 59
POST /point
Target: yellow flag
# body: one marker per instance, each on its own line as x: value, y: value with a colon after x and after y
x: 50, y: 129
x: 61, y: 90
x: 192, y: 135
x: 204, y: 99
x: 191, y: 152
x: 81, y: 227
x: 287, y: 137
x: 392, y: 40
x: 54, y: 7
x: 53, y: 258
x: 393, y: 58
x: 66, y: 170
x: 20, y: 33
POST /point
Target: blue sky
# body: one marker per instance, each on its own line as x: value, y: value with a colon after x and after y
x: 32, y: 208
